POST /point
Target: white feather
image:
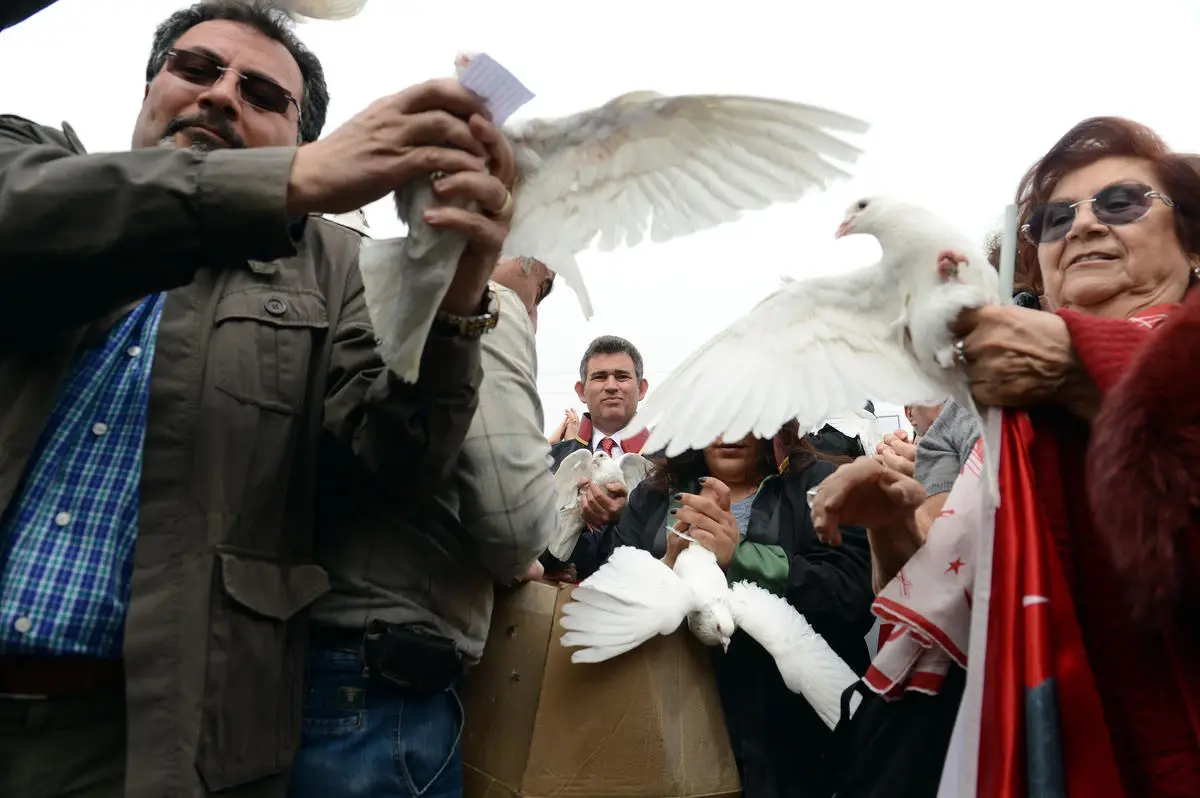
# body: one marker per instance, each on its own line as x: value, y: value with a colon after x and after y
x: 644, y: 164
x: 806, y: 662
x: 322, y: 9
x: 819, y: 348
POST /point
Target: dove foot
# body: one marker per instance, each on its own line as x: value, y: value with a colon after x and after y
x: 948, y: 263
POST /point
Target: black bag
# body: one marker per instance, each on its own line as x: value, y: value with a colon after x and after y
x: 895, y: 749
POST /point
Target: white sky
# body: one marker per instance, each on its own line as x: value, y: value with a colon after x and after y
x: 962, y: 98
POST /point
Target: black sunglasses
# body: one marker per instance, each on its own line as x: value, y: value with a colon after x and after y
x: 1120, y: 203
x: 204, y: 70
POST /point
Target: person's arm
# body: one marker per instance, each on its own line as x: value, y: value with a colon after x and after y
x: 98, y: 230
x: 408, y: 436
x: 830, y: 585
x: 506, y: 491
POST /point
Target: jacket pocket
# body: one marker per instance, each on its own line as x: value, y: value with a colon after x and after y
x: 254, y: 688
x: 262, y: 343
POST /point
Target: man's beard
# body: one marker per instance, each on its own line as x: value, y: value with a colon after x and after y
x: 199, y: 140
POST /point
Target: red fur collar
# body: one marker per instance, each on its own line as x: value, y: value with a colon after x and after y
x: 1144, y: 466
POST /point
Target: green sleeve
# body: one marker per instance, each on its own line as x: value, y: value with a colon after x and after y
x: 767, y: 566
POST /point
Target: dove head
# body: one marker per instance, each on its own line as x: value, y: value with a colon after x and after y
x: 882, y: 216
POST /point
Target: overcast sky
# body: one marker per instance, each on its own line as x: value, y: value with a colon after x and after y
x: 962, y: 98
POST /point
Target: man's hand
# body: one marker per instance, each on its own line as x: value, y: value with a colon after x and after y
x: 600, y: 506
x: 535, y: 572
x: 396, y: 140
x: 484, y: 229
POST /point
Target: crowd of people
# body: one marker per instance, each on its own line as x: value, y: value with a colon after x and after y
x: 239, y: 556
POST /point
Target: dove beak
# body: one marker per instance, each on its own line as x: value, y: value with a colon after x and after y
x: 843, y: 228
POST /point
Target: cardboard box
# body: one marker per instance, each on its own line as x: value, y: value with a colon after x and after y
x: 647, y: 724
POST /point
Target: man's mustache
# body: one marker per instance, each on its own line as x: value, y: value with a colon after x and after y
x: 216, y: 124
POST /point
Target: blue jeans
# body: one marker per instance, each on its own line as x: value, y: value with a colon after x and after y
x: 375, y: 741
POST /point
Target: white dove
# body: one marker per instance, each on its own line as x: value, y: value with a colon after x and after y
x: 629, y: 469
x: 819, y: 348
x: 642, y: 164
x: 635, y: 596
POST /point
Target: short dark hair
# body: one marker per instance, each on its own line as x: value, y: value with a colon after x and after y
x: 610, y: 345
x: 269, y: 20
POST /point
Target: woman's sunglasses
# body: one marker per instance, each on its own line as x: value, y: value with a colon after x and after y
x: 204, y: 70
x: 1120, y: 203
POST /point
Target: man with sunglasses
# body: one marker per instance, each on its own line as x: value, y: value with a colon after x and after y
x: 186, y: 357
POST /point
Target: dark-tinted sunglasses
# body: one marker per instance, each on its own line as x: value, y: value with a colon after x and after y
x: 204, y: 70
x: 1120, y: 203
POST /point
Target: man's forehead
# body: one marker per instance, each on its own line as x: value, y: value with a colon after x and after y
x: 245, y: 49
x: 610, y: 363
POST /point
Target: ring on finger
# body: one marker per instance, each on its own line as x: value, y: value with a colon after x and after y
x: 505, y: 209
x: 960, y: 355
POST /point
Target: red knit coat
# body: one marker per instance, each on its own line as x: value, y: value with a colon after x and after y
x: 1130, y: 544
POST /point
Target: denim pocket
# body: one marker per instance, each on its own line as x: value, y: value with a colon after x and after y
x: 428, y: 743
x: 335, y: 698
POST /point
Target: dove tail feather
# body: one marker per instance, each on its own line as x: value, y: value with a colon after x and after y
x: 566, y: 534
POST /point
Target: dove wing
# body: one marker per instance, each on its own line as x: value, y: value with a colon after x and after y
x: 806, y: 662
x: 323, y: 9
x: 632, y: 598
x: 575, y: 466
x: 812, y: 350
x: 664, y: 166
x: 634, y: 468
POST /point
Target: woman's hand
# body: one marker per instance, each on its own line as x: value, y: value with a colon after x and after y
x: 572, y: 429
x: 1016, y: 357
x: 707, y: 520
x: 897, y: 453
x: 865, y: 493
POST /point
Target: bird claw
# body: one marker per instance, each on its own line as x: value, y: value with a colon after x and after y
x: 948, y: 263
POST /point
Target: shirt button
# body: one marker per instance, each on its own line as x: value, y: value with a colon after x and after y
x: 133, y: 351
x: 62, y: 519
x: 276, y: 306
x: 22, y: 624
x: 99, y: 428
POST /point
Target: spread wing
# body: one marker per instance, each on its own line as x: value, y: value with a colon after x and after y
x: 634, y: 468
x: 574, y: 467
x: 632, y: 598
x: 322, y: 9
x: 664, y: 166
x: 805, y: 661
x: 812, y: 350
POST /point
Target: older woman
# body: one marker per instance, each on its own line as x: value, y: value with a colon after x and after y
x: 746, y: 502
x: 1111, y: 223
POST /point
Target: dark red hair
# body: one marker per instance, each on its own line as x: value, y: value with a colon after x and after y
x: 1088, y: 142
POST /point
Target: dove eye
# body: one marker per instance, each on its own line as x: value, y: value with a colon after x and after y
x: 862, y: 205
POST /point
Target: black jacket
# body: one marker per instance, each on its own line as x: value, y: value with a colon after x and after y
x: 780, y: 744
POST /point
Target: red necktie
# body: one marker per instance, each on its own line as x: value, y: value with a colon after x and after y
x: 606, y: 445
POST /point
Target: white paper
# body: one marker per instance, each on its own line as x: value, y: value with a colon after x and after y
x: 499, y: 88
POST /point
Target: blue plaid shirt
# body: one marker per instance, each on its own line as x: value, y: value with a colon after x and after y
x: 66, y: 539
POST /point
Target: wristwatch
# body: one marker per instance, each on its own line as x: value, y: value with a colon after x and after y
x: 469, y: 326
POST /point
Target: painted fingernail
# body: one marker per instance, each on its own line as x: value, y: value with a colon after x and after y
x: 677, y: 496
x: 674, y: 510
x: 702, y: 480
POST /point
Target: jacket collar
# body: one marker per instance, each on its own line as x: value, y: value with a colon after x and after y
x: 633, y: 444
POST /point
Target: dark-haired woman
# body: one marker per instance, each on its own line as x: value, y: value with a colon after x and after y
x: 759, y: 529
